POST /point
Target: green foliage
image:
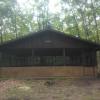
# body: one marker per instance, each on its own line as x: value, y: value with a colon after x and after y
x: 76, y: 17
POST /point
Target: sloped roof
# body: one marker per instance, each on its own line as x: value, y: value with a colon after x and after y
x: 33, y: 34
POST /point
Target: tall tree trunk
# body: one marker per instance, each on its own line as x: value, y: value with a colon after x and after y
x: 77, y: 26
x: 75, y: 19
x: 94, y: 16
x: 1, y: 35
x: 15, y: 26
x: 84, y: 23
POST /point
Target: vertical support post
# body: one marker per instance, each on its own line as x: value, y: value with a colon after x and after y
x: 24, y: 60
x: 1, y: 54
x: 95, y: 60
x: 32, y: 57
x: 0, y: 58
x: 64, y: 56
x: 83, y: 62
x: 10, y: 57
x: 16, y: 61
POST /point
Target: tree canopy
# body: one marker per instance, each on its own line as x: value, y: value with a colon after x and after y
x: 80, y: 18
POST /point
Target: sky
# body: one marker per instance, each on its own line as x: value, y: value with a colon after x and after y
x: 54, y: 5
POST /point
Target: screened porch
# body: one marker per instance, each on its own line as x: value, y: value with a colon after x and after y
x: 47, y: 57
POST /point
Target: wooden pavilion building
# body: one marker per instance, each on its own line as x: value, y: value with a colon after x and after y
x: 48, y: 53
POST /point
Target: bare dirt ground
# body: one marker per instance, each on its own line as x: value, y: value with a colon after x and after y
x: 55, y: 89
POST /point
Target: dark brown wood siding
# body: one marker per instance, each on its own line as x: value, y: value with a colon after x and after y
x: 38, y: 72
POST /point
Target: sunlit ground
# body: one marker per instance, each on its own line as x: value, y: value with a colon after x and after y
x: 57, y: 89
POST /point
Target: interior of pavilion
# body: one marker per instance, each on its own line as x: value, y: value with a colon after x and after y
x: 47, y: 57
